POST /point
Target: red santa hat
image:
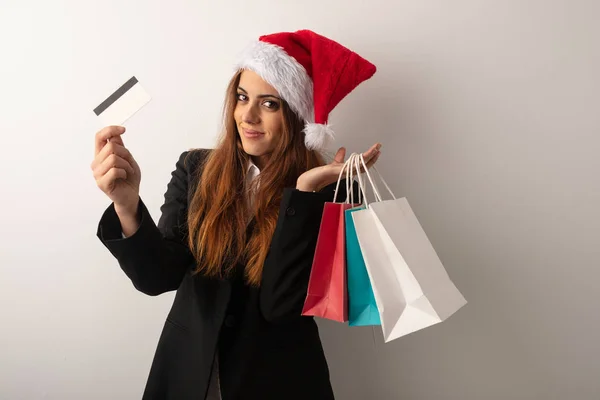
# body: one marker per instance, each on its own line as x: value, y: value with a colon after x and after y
x: 311, y: 73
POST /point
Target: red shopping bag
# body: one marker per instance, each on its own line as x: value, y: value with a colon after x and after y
x: 327, y: 295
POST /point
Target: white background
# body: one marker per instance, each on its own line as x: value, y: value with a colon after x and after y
x: 488, y: 115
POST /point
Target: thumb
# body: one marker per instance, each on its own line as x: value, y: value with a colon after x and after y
x: 340, y: 155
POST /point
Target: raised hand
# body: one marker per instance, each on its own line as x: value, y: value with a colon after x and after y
x: 319, y: 177
x: 116, y: 172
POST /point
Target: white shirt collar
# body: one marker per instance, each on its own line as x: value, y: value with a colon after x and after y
x: 252, y: 170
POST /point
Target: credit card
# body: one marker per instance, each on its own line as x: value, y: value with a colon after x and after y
x: 123, y: 103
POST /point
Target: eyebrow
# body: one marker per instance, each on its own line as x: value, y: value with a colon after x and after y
x: 260, y: 96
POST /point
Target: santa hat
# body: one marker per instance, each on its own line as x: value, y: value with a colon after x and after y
x: 311, y: 73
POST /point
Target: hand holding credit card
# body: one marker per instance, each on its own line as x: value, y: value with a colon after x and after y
x: 115, y: 170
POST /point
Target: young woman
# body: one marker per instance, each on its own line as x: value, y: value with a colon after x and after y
x: 238, y: 228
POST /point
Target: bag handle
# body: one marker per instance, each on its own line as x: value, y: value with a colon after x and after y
x: 345, y: 168
x: 375, y: 189
x: 362, y: 183
x: 349, y: 178
x: 355, y: 162
x: 383, y: 181
x: 349, y: 189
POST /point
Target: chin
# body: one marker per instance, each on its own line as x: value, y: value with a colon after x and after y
x: 255, y: 149
x: 253, y: 153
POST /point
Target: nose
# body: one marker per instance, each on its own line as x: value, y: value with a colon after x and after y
x: 251, y: 115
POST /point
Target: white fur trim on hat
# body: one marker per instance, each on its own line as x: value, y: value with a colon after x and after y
x: 318, y: 136
x: 283, y: 72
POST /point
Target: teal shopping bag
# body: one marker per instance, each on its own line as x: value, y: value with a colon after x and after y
x: 362, y: 309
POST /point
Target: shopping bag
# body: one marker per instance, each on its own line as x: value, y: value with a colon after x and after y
x: 362, y: 308
x: 411, y: 286
x: 327, y: 293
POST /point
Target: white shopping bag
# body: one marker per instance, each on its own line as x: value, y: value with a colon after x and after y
x: 411, y: 286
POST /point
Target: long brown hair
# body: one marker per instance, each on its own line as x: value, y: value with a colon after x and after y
x: 218, y: 213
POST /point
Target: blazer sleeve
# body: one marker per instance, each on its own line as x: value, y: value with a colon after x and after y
x: 156, y: 256
x: 288, y: 264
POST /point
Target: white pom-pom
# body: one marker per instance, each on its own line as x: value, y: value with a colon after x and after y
x: 318, y: 136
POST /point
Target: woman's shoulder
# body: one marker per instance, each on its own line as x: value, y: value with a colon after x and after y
x: 196, y: 154
x: 188, y: 166
x: 192, y: 159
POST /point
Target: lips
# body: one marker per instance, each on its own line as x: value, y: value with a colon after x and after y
x: 252, y: 134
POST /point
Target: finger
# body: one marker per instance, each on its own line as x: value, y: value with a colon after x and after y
x: 106, y: 133
x: 107, y: 182
x: 113, y: 161
x: 368, y: 159
x: 115, y: 148
x: 367, y: 155
x: 117, y: 140
x: 112, y: 148
x: 373, y: 160
x: 370, y: 163
x: 340, y: 155
x: 133, y: 163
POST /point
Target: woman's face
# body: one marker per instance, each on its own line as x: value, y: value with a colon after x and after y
x: 258, y: 117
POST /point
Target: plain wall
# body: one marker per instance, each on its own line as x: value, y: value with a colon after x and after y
x: 488, y: 115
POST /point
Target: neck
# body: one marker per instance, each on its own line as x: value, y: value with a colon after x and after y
x: 260, y: 161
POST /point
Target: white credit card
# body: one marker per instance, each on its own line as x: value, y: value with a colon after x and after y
x: 123, y: 103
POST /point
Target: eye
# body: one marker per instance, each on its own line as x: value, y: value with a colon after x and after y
x: 272, y: 105
x: 242, y: 97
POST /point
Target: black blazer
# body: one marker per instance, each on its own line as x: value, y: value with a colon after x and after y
x: 266, y: 349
